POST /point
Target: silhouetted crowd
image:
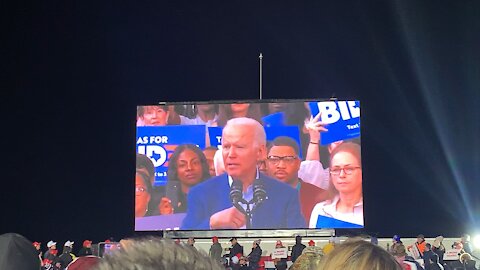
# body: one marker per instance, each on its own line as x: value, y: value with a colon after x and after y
x: 16, y: 252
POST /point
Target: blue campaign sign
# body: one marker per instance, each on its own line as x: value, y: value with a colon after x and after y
x: 342, y: 119
x: 289, y: 131
x: 215, y: 135
x: 274, y: 119
x: 272, y: 132
x: 158, y: 143
x: 331, y: 223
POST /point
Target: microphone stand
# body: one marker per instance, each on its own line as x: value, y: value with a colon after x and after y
x: 259, y: 195
x: 247, y: 211
x: 248, y: 215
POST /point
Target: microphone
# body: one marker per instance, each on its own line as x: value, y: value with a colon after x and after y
x: 259, y: 192
x: 236, y: 194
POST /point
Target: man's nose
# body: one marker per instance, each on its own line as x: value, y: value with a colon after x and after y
x: 232, y: 152
x: 281, y: 163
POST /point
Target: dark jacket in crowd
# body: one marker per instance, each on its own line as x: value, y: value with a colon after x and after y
x: 177, y: 197
x: 16, y: 252
x: 254, y: 257
x: 235, y: 250
x: 48, y: 255
x: 245, y: 267
x: 412, y: 260
x: 439, y: 251
x: 216, y: 252
x: 431, y: 261
x: 297, y: 248
x: 85, y: 252
x: 457, y: 265
x: 65, y: 259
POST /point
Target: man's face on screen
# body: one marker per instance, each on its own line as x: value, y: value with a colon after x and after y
x: 239, y: 107
x: 240, y: 152
x: 276, y: 107
x: 142, y: 197
x: 206, y: 107
x: 155, y: 116
x: 344, y: 182
x: 189, y: 168
x: 283, y: 164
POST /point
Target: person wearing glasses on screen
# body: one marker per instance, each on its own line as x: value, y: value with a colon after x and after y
x: 283, y: 163
x: 209, y: 203
x: 346, y: 187
x: 143, y: 189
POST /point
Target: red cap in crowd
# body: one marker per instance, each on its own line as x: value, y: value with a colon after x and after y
x: 214, y: 239
x: 86, y: 243
x: 36, y: 244
x: 311, y: 243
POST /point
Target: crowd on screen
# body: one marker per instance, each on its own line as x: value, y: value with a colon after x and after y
x: 326, y: 181
x: 16, y: 252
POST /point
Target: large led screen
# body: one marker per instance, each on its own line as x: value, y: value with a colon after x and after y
x: 248, y: 165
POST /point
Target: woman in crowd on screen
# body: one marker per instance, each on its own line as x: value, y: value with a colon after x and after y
x: 236, y: 110
x: 187, y: 167
x: 155, y: 115
x: 346, y: 203
x: 143, y: 191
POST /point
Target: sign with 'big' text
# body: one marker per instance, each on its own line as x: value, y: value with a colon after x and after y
x: 159, y: 142
x: 342, y: 119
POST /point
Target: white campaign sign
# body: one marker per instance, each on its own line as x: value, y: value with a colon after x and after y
x: 280, y: 253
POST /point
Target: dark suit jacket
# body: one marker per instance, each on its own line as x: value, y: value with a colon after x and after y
x: 281, y: 209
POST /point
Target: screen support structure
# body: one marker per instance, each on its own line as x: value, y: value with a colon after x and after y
x: 260, y: 59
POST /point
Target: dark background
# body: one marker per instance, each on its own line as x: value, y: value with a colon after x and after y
x: 72, y: 74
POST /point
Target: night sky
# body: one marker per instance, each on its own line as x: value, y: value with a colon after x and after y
x: 73, y: 74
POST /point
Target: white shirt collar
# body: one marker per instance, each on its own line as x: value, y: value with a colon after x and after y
x: 331, y: 208
x: 230, y: 179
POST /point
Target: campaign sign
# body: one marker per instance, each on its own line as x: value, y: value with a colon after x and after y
x: 451, y: 255
x: 274, y: 119
x: 342, y: 119
x: 273, y: 132
x: 159, y: 143
x: 328, y: 222
x: 279, y: 253
x: 215, y: 134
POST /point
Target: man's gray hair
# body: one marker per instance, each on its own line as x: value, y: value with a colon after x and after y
x: 156, y: 254
x: 259, y: 136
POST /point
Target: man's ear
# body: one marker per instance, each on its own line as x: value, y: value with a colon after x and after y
x: 262, y: 153
x: 299, y: 162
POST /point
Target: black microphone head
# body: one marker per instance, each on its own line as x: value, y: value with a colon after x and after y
x: 236, y: 191
x: 259, y: 192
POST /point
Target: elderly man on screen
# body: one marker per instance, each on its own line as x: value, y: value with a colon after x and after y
x: 209, y: 204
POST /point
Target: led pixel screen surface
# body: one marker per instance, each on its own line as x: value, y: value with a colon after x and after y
x: 249, y: 165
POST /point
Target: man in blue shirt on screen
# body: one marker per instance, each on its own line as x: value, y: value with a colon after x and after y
x: 209, y: 204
